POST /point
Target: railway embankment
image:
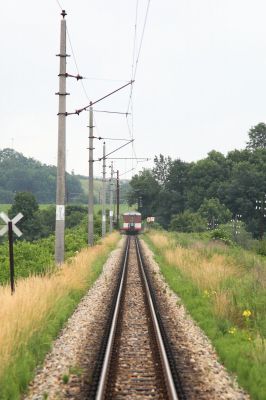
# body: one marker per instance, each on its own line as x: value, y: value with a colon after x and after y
x: 68, y: 369
x: 33, y: 317
x: 223, y: 288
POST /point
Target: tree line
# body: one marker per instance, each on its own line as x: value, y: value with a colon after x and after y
x: 191, y: 196
x: 21, y: 174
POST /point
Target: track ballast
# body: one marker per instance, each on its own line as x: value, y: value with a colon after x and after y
x: 135, y: 361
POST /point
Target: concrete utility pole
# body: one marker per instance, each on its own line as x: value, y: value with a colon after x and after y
x: 61, y: 152
x: 90, y: 198
x: 117, y: 199
x: 104, y: 194
x: 111, y: 198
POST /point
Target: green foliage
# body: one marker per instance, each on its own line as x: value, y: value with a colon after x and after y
x: 236, y: 338
x: 257, y: 137
x: 214, y: 211
x: 21, y: 174
x: 144, y: 192
x: 218, y: 187
x: 188, y: 222
x: 33, y: 352
x: 37, y: 258
x: 30, y: 225
x: 221, y: 234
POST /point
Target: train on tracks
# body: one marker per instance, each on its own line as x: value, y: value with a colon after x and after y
x: 132, y: 224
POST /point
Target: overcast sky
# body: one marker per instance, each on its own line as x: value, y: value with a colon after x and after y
x: 200, y: 83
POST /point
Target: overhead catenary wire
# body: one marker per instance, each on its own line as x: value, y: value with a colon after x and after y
x: 135, y: 60
x: 59, y: 5
x: 134, y: 67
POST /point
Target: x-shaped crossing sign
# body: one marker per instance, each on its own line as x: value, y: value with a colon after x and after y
x: 15, y: 220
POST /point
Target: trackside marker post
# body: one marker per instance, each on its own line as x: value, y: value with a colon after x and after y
x: 10, y: 228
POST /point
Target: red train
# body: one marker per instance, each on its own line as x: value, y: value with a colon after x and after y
x: 131, y: 222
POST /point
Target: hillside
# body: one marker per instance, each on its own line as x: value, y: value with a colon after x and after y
x: 124, y: 189
x: 19, y: 173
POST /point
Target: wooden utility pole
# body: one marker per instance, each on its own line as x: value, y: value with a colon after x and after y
x: 104, y: 194
x: 61, y: 152
x: 90, y: 198
x: 117, y: 199
x: 111, y: 213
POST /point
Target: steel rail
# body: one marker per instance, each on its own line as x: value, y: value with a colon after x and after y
x: 108, y: 353
x: 164, y: 359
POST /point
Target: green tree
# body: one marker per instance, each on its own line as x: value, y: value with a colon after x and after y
x: 188, y: 222
x: 144, y: 192
x: 257, y: 137
x: 161, y: 168
x: 22, y: 174
x: 30, y: 225
x: 214, y: 212
x: 206, y: 178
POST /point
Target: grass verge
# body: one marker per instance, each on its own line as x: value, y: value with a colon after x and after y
x: 223, y: 289
x: 33, y: 317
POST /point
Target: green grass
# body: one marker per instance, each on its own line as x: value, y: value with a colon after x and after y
x: 243, y: 352
x: 32, y: 353
x: 4, y: 208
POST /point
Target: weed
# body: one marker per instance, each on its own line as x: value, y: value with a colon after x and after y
x: 65, y: 378
x: 76, y: 370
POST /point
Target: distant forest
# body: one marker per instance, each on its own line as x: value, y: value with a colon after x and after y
x: 189, y: 196
x: 21, y: 174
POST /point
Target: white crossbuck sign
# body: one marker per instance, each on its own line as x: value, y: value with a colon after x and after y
x: 15, y: 220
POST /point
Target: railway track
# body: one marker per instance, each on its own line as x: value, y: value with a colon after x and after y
x: 135, y: 360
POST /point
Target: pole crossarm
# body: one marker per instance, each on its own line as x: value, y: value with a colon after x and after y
x: 128, y: 158
x: 113, y: 112
x: 106, y: 155
x: 77, y: 112
x: 66, y: 75
x: 108, y: 138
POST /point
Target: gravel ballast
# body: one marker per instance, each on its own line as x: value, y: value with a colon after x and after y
x: 203, y: 377
x: 67, y: 369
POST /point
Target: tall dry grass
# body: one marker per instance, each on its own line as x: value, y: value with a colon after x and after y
x: 160, y: 240
x: 206, y: 273
x: 205, y: 268
x: 24, y: 313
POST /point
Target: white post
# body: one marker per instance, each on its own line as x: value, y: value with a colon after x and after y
x: 90, y: 198
x: 61, y: 152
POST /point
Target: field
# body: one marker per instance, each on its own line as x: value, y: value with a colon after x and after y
x: 224, y: 289
x: 4, y: 207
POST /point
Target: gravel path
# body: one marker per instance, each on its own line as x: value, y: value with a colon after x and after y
x: 203, y: 376
x: 68, y: 367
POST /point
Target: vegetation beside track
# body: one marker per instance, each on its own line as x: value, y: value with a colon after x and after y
x: 224, y: 289
x: 32, y: 318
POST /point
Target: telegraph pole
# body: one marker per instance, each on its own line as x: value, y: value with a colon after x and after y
x: 111, y: 198
x: 61, y: 152
x: 104, y: 194
x: 117, y: 199
x: 90, y: 198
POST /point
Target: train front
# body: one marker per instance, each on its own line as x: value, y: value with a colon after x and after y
x: 131, y: 222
